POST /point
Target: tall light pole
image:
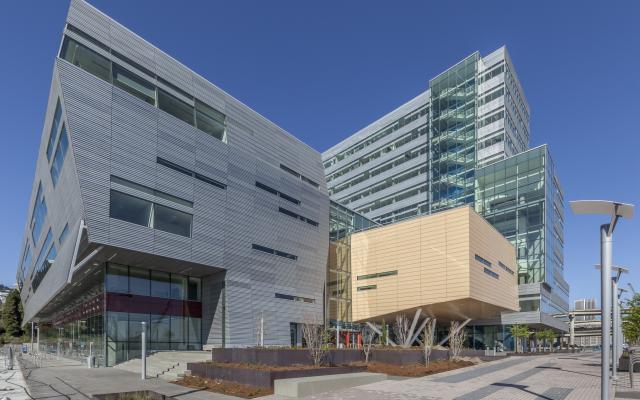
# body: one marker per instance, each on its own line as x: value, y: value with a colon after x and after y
x: 614, y: 211
x: 616, y: 344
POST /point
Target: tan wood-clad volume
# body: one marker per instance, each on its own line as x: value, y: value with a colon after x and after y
x: 437, y: 270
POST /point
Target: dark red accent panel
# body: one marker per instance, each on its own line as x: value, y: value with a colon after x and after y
x: 131, y: 303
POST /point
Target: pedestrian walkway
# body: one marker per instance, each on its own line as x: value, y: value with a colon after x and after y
x: 547, y: 377
x: 63, y: 379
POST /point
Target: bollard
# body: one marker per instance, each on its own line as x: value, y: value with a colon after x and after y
x: 10, y: 361
x: 143, y: 364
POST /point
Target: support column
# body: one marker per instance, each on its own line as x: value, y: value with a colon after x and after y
x: 572, y: 329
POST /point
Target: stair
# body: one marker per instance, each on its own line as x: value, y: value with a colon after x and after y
x: 166, y: 365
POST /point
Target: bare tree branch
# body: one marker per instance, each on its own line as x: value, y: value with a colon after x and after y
x: 368, y: 335
x: 315, y: 335
x: 428, y: 338
x: 401, y: 329
x: 456, y: 339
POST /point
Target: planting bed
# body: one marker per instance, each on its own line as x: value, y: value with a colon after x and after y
x: 224, y: 387
x: 415, y: 370
x: 262, y: 375
x: 139, y: 395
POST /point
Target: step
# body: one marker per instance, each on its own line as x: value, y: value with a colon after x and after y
x: 310, y: 385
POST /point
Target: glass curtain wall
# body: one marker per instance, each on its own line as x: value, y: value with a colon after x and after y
x: 169, y: 304
x: 511, y: 197
x: 453, y: 135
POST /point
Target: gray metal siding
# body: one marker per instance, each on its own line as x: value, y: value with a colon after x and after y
x: 114, y: 133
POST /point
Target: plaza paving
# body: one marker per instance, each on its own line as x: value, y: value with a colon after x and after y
x: 549, y: 377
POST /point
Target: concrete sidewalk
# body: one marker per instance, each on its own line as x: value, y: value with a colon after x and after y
x: 548, y: 377
x: 71, y: 380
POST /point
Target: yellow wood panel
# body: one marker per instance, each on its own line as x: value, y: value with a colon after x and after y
x: 435, y: 259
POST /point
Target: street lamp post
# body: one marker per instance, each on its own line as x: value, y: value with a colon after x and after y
x: 616, y: 344
x: 615, y: 211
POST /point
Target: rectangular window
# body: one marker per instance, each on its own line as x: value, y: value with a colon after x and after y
x: 58, y: 158
x: 504, y: 267
x: 87, y: 59
x: 133, y: 84
x: 210, y: 120
x: 187, y: 171
x: 368, y: 287
x: 139, y: 211
x: 297, y: 216
x: 491, y: 273
x: 299, y: 176
x: 148, y: 190
x: 272, y: 251
x: 53, y: 134
x: 26, y: 260
x: 277, y: 193
x: 130, y: 209
x: 178, y: 287
x: 38, y: 216
x: 193, y: 292
x: 377, y: 275
x: 483, y: 261
x: 174, y: 106
x: 64, y: 234
x: 117, y: 279
x: 139, y: 282
x: 45, y: 259
x: 160, y: 284
x: 294, y: 298
x: 171, y: 220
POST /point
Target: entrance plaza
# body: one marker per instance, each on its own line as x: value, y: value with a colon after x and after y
x: 549, y: 377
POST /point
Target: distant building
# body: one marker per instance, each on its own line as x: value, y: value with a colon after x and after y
x: 585, y: 304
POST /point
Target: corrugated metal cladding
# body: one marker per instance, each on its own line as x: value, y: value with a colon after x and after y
x: 114, y: 133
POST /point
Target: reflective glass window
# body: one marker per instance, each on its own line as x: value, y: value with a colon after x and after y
x: 39, y: 213
x: 117, y: 278
x: 139, y: 282
x: 171, y: 220
x: 117, y: 326
x: 178, y: 286
x: 210, y: 120
x: 58, y: 158
x: 87, y: 59
x: 194, y: 289
x: 135, y: 326
x: 129, y: 208
x: 178, y: 329
x: 64, y: 234
x: 195, y: 329
x: 160, y: 328
x: 175, y: 106
x: 133, y: 84
x: 160, y: 284
x: 53, y: 134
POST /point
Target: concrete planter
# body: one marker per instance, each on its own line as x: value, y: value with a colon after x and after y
x: 624, y: 365
x: 258, y: 377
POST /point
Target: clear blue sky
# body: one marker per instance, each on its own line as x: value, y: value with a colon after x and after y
x: 322, y: 70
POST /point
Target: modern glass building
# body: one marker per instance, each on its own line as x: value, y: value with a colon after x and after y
x: 465, y: 140
x: 160, y: 198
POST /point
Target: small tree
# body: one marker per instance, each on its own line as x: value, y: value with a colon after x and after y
x: 548, y: 336
x: 456, y: 339
x: 315, y: 336
x: 519, y: 331
x: 368, y: 335
x: 540, y: 336
x: 401, y: 329
x: 385, y: 334
x: 631, y: 321
x: 428, y: 338
x: 12, y: 314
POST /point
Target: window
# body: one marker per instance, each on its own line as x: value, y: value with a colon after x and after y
x: 483, y: 261
x: 504, y: 267
x: 87, y: 59
x: 274, y: 252
x: 299, y: 176
x: 38, y: 216
x: 26, y: 260
x: 139, y: 281
x: 377, y: 275
x: 130, y: 209
x: 178, y: 287
x: 58, y: 158
x: 160, y: 284
x: 117, y: 279
x: 368, y: 287
x: 193, y: 291
x: 277, y: 193
x: 202, y: 116
x: 139, y: 211
x: 53, y: 134
x: 297, y: 216
x: 45, y: 259
x: 491, y: 273
x: 174, y: 106
x: 294, y: 298
x: 133, y: 84
x: 187, y: 171
x: 210, y: 120
x: 171, y: 220
x: 64, y: 234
